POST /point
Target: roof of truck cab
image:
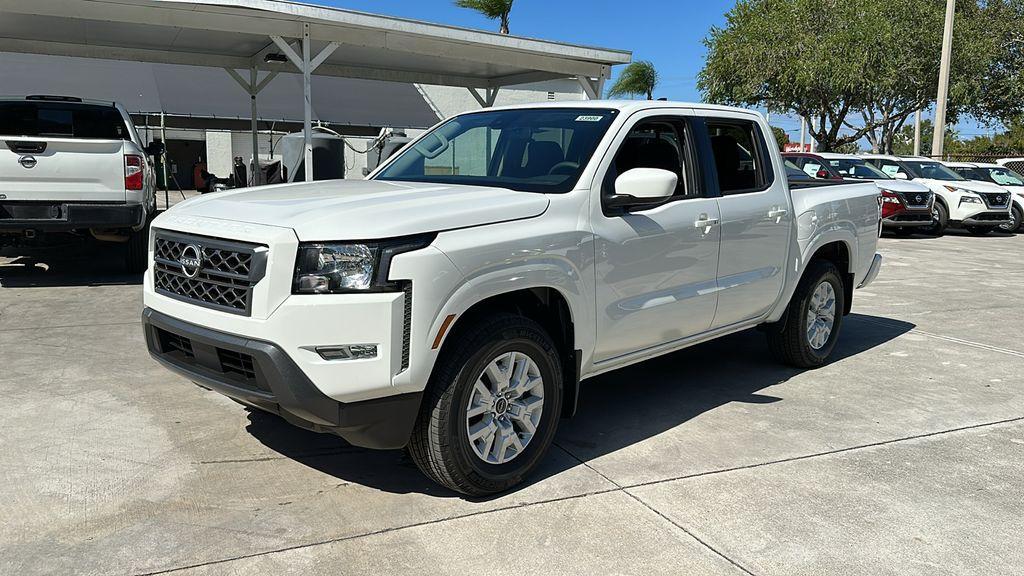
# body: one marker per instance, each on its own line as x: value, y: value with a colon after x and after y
x: 899, y: 158
x: 78, y: 101
x: 625, y: 106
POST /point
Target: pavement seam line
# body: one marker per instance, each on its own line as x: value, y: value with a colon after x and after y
x: 375, y: 532
x: 829, y: 452
x: 952, y: 339
x: 658, y: 512
x: 37, y: 328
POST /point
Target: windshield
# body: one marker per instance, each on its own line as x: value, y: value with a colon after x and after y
x: 932, y: 170
x: 1005, y: 177
x: 858, y: 168
x: 530, y: 150
x: 61, y: 120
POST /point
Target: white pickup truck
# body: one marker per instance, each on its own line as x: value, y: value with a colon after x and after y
x: 74, y: 165
x: 452, y: 302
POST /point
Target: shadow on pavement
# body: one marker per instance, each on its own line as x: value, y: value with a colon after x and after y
x: 75, y: 262
x: 616, y: 409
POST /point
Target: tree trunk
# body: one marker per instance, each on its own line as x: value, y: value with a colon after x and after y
x: 504, y: 24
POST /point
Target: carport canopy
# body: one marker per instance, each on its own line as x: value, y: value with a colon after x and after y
x: 265, y: 37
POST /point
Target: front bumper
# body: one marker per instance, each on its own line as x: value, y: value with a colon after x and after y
x: 63, y: 216
x: 907, y: 219
x: 263, y: 375
x: 988, y: 219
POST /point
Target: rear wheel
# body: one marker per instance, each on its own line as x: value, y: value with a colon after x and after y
x: 807, y: 334
x: 492, y: 407
x: 1016, y: 219
x: 136, y: 254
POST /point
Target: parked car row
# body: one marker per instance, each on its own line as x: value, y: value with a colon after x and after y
x: 925, y: 195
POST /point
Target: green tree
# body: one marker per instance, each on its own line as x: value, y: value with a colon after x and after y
x: 780, y: 136
x: 865, y: 66
x: 903, y: 140
x: 639, y: 78
x: 492, y: 9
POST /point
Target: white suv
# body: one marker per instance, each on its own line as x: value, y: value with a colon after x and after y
x: 978, y: 207
x: 1000, y: 176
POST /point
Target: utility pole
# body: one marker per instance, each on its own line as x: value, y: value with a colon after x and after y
x: 803, y: 132
x: 917, y: 133
x: 938, y: 139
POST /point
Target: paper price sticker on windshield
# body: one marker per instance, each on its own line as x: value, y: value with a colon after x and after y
x: 589, y: 118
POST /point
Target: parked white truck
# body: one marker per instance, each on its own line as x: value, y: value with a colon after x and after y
x: 74, y: 165
x: 453, y: 301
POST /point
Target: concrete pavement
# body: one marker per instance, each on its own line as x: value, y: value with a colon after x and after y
x: 904, y: 456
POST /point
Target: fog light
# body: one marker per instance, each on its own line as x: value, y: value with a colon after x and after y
x: 347, y: 352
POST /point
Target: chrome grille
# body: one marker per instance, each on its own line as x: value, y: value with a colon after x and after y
x: 996, y: 199
x: 224, y: 278
x: 911, y: 199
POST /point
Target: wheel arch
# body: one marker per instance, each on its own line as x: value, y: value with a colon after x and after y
x: 547, y: 305
x: 839, y: 253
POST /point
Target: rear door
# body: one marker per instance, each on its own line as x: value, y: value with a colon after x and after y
x: 756, y: 218
x: 61, y: 151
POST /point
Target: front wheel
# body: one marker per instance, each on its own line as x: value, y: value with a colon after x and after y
x: 1016, y: 219
x: 491, y: 408
x: 940, y: 220
x: 805, y: 337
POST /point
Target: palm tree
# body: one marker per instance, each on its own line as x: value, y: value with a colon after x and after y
x: 493, y: 9
x: 640, y: 77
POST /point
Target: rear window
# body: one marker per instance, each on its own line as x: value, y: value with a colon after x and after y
x: 61, y: 120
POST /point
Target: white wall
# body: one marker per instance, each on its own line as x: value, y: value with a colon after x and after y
x: 451, y: 100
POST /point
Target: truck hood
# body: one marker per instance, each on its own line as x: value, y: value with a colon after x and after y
x: 366, y: 209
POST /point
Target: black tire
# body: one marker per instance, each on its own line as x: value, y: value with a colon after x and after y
x: 980, y: 230
x: 1017, y: 221
x: 136, y: 253
x: 940, y: 220
x: 440, y: 444
x: 788, y: 339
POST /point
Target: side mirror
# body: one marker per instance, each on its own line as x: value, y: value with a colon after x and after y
x: 643, y: 186
x: 155, y: 148
x: 901, y: 176
x: 822, y: 174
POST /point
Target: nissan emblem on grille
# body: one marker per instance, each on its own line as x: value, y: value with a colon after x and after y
x: 191, y: 260
x: 999, y: 199
x: 918, y: 199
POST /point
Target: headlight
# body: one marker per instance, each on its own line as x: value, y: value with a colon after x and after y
x: 970, y: 199
x: 340, y: 267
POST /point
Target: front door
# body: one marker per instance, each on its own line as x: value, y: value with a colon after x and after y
x: 757, y: 219
x: 656, y: 266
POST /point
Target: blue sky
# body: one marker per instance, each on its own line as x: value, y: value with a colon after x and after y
x: 667, y: 32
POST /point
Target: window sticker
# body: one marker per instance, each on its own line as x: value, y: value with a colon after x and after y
x: 589, y: 118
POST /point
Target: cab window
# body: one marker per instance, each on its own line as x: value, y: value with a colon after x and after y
x: 656, y: 143
x: 741, y: 157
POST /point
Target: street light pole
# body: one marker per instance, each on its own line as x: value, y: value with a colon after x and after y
x: 917, y: 132
x: 938, y: 138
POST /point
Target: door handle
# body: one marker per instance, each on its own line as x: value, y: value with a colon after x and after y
x: 777, y: 214
x: 705, y: 223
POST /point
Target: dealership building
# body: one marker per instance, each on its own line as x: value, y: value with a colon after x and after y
x: 215, y: 80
